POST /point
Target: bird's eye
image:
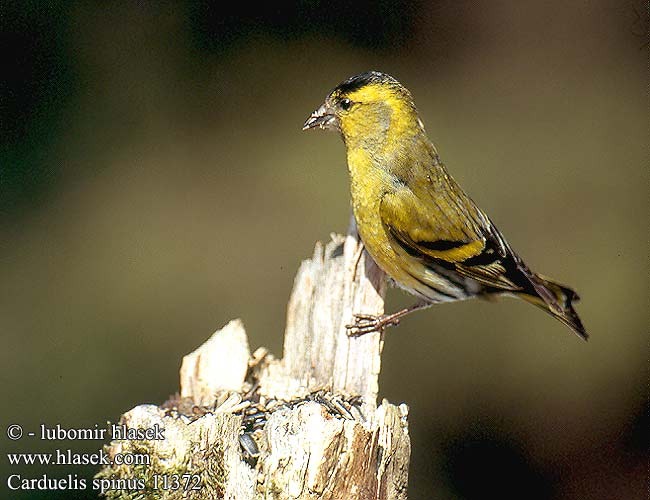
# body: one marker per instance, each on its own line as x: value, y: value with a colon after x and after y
x: 345, y: 104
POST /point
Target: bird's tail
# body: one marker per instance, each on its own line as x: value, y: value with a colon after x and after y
x: 557, y: 300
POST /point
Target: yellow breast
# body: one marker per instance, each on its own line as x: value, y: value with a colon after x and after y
x: 367, y: 185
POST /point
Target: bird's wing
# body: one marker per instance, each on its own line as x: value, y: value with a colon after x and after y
x: 450, y: 231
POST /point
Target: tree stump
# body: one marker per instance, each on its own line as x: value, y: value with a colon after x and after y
x: 304, y: 427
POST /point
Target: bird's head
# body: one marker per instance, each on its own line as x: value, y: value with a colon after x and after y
x: 367, y: 109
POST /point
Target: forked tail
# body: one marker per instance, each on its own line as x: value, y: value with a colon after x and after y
x: 557, y: 300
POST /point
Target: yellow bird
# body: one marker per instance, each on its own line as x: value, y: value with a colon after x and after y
x: 417, y: 224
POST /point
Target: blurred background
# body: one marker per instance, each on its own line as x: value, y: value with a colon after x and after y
x: 154, y: 184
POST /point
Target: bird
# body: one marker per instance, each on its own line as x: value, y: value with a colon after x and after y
x: 414, y: 220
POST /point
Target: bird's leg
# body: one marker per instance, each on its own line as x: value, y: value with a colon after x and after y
x: 368, y: 323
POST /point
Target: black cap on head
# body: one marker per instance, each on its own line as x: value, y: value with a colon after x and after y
x: 369, y: 77
x: 357, y: 82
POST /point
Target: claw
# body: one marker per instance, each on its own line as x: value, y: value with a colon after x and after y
x: 368, y: 323
x: 370, y: 317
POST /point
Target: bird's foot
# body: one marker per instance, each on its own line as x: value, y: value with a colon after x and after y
x: 368, y: 323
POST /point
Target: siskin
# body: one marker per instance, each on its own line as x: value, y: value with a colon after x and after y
x: 414, y: 220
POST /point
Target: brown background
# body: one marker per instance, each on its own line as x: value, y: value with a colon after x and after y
x: 155, y: 184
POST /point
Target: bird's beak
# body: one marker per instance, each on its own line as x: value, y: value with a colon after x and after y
x: 323, y: 118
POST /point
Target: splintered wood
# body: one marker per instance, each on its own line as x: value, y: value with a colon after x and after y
x: 304, y: 427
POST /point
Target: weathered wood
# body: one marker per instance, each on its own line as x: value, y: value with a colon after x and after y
x: 303, y: 427
x: 337, y: 282
x: 220, y: 364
